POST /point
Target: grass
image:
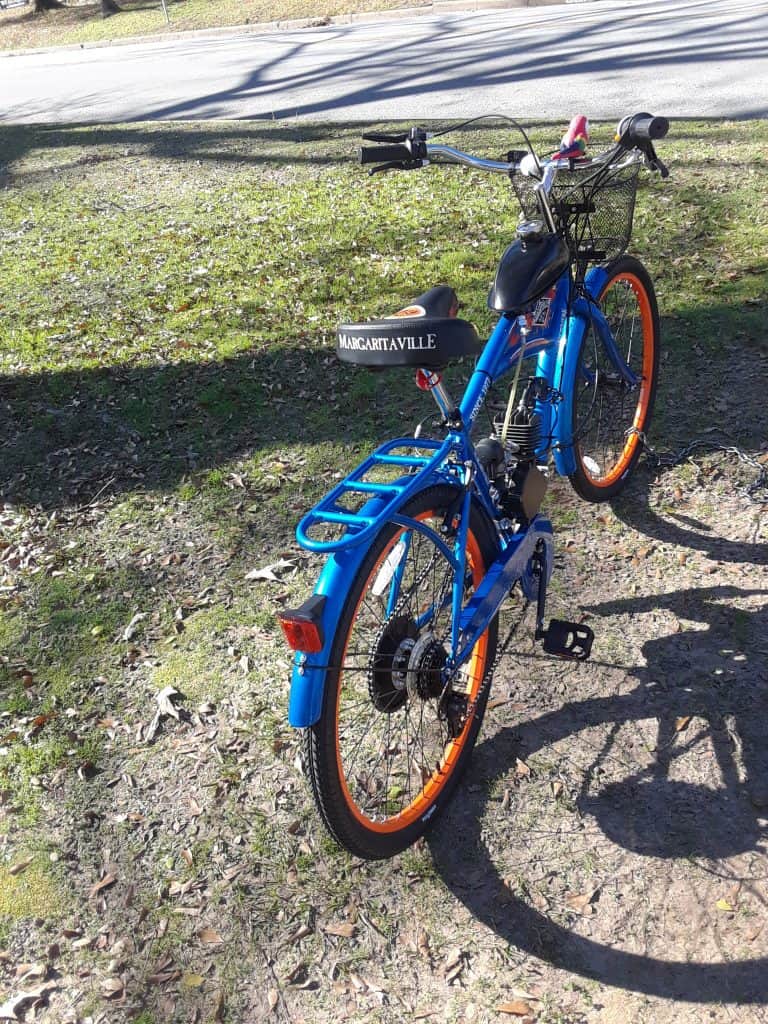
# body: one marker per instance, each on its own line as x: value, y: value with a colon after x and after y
x: 170, y: 404
x: 21, y: 28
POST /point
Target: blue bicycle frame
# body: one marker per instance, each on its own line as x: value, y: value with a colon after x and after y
x: 425, y: 462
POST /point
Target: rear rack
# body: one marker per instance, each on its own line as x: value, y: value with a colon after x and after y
x: 419, y: 458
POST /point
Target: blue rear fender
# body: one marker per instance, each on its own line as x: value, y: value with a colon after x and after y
x: 308, y: 678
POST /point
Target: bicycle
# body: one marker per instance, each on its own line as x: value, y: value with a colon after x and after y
x: 396, y: 647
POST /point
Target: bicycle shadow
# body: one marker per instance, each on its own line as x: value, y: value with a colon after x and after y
x: 714, y: 678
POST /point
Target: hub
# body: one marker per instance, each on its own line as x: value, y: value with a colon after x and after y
x: 425, y: 668
x: 389, y: 666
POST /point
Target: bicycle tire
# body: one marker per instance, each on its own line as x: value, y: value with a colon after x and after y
x: 376, y: 787
x: 610, y: 419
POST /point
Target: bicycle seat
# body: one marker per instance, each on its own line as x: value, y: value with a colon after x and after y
x: 426, y: 333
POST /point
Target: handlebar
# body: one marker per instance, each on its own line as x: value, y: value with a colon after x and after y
x: 410, y: 150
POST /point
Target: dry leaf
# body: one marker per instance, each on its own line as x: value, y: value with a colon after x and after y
x: 454, y: 965
x: 724, y: 905
x: 112, y: 988
x: 682, y: 723
x: 498, y: 702
x: 557, y: 788
x: 342, y: 928
x: 273, y: 999
x: 301, y: 933
x: 522, y: 771
x: 517, y: 1008
x: 20, y: 865
x: 10, y: 1006
x: 209, y: 937
x: 582, y: 902
x: 269, y: 572
x: 104, y: 883
x: 754, y: 931
x: 454, y: 957
x: 130, y: 630
x: 31, y: 972
x: 164, y: 701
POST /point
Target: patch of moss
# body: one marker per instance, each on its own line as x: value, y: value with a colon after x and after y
x: 32, y: 893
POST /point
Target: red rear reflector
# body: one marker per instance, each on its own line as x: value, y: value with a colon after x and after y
x: 302, y: 635
x: 426, y: 380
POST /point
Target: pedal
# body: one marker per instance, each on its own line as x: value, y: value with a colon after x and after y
x: 568, y: 640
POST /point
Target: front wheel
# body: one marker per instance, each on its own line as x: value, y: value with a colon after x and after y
x: 610, y: 416
x: 392, y: 741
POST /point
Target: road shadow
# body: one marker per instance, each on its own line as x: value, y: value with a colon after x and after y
x: 473, y: 61
x: 440, y: 52
x: 716, y: 678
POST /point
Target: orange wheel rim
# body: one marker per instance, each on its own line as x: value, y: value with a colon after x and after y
x: 646, y: 376
x: 476, y: 670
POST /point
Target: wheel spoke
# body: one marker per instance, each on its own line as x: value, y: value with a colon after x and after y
x: 393, y: 742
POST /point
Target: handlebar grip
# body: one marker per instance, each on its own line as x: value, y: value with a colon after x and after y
x: 384, y: 154
x: 648, y: 129
x: 644, y: 128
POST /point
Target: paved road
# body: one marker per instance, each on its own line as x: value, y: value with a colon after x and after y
x: 686, y: 58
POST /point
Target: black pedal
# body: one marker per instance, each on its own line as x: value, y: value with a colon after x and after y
x: 568, y: 640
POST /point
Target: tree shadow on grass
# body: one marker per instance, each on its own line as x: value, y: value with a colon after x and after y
x: 708, y: 674
x: 235, y: 144
x: 66, y: 435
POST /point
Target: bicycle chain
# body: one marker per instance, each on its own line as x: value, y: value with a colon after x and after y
x: 658, y: 461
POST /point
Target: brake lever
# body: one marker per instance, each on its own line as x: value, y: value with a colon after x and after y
x: 397, y: 165
x: 654, y: 162
x: 384, y: 137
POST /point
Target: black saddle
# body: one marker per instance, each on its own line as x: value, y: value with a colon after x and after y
x: 427, y: 333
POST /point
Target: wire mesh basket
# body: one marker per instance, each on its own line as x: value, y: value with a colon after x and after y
x: 592, y: 207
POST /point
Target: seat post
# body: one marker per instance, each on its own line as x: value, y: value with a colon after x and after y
x: 430, y: 380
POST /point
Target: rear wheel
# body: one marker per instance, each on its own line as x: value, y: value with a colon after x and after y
x: 392, y: 742
x: 609, y: 415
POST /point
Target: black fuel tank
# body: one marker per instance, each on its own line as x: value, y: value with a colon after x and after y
x: 527, y: 269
